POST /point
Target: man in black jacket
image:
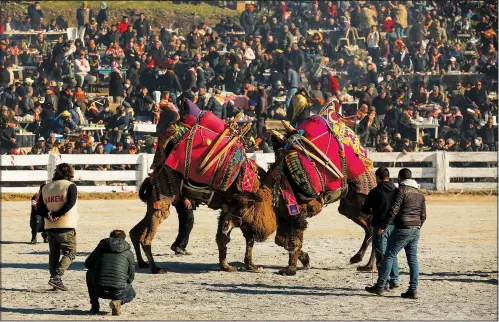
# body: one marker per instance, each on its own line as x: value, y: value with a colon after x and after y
x: 378, y: 204
x: 111, y: 270
x: 408, y: 214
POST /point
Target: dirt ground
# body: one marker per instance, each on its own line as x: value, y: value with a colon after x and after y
x: 458, y: 270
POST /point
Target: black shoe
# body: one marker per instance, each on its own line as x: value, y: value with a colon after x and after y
x: 410, y: 294
x: 57, y: 283
x: 375, y: 290
x: 178, y: 251
x: 394, y: 285
x: 33, y: 241
x: 95, y: 310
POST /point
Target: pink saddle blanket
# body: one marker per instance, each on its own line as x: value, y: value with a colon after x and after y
x: 316, y: 130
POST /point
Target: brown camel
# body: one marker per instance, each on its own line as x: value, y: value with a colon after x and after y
x: 257, y: 217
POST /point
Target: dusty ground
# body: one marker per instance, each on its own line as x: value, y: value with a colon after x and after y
x: 458, y: 263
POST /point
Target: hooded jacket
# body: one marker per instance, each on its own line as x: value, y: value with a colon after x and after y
x: 409, y: 206
x: 111, y: 264
x: 378, y: 202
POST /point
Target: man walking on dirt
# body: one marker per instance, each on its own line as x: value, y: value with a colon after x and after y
x: 111, y: 270
x: 408, y: 213
x: 57, y: 203
x: 378, y: 202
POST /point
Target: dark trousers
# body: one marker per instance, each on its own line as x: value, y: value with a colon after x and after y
x: 95, y: 291
x: 61, y: 242
x: 185, y: 224
x: 36, y: 223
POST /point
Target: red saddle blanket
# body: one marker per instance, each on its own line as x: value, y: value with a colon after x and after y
x: 187, y: 155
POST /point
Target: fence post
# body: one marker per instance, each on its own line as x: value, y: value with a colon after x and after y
x: 143, y: 168
x: 442, y: 164
x: 52, y: 164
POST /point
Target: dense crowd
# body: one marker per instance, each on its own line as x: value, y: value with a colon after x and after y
x: 401, y: 62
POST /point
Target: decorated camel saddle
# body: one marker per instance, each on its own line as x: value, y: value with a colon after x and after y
x: 321, y: 158
x: 207, y: 155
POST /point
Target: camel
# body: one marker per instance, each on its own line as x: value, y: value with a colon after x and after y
x: 255, y: 213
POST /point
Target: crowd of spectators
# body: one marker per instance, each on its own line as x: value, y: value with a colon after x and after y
x: 394, y: 57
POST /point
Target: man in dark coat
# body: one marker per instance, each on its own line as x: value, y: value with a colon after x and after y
x: 36, y: 221
x: 408, y: 214
x: 378, y: 204
x: 111, y: 271
x: 247, y: 20
x: 142, y: 27
x: 35, y: 13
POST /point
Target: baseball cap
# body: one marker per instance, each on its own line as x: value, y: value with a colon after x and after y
x: 41, y: 138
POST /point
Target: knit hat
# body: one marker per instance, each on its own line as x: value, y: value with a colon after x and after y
x: 65, y: 114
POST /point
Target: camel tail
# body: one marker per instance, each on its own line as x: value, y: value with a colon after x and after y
x: 145, y: 189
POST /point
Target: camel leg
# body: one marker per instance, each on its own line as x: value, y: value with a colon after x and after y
x: 222, y: 241
x: 248, y: 257
x: 156, y: 219
x: 361, y: 221
x: 135, y: 237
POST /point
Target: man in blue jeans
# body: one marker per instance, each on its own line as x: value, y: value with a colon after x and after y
x: 408, y: 213
x: 378, y: 202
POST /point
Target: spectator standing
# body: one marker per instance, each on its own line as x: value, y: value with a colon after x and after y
x: 408, y: 214
x: 378, y: 203
x: 83, y: 16
x: 142, y: 27
x: 57, y: 203
x: 103, y: 14
x: 111, y: 271
x: 35, y: 14
x: 247, y: 20
x: 489, y: 135
x: 116, y: 89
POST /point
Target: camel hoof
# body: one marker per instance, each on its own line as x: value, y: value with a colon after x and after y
x: 365, y: 268
x: 305, y: 260
x: 287, y: 271
x: 158, y: 270
x: 143, y: 264
x: 356, y: 259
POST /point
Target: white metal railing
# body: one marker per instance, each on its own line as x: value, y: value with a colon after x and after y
x: 433, y: 170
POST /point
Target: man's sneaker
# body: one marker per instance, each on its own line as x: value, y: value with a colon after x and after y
x: 115, y: 307
x: 94, y: 310
x: 33, y: 241
x: 57, y: 283
x: 394, y: 285
x: 410, y: 294
x: 375, y: 290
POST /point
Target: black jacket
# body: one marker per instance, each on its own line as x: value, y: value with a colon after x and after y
x: 408, y: 208
x: 111, y: 263
x: 378, y: 202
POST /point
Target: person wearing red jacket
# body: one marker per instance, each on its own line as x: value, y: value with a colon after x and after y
x: 333, y: 86
x: 123, y: 25
x: 388, y: 25
x: 332, y: 11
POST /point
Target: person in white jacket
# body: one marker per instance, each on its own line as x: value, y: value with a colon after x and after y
x: 82, y: 67
x: 246, y: 53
